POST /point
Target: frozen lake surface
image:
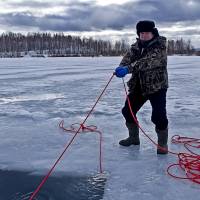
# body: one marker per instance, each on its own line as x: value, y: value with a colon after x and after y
x: 37, y: 93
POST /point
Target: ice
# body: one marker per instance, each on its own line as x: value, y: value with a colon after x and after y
x: 37, y: 93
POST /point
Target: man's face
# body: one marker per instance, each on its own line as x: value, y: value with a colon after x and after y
x: 146, y: 36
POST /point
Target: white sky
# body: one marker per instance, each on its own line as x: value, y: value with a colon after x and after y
x: 106, y: 25
x: 107, y: 2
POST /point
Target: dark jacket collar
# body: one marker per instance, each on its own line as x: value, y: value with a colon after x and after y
x: 160, y: 41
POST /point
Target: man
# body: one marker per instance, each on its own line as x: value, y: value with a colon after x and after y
x: 147, y: 61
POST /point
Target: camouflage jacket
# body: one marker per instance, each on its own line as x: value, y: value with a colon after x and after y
x: 148, y: 66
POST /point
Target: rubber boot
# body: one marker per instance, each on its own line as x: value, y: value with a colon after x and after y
x: 133, y: 135
x: 162, y: 141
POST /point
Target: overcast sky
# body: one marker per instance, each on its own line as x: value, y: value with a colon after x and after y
x: 104, y: 19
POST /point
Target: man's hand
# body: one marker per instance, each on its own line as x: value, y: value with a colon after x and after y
x: 121, y: 71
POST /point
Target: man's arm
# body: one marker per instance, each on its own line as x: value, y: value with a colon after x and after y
x: 128, y: 61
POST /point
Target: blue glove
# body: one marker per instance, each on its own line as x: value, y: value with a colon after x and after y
x: 121, y: 71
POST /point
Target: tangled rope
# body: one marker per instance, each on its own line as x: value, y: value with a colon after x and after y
x: 187, y: 162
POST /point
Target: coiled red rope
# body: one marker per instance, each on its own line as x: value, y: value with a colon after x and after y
x: 70, y: 142
x: 187, y: 162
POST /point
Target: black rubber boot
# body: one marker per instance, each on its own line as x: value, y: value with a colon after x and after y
x: 133, y: 138
x: 162, y: 141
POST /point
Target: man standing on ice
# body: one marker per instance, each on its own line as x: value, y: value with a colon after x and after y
x: 147, y: 61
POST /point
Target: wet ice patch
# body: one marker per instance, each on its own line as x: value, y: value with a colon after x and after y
x: 16, y: 185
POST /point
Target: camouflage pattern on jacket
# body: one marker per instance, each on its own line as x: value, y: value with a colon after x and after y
x: 148, y: 66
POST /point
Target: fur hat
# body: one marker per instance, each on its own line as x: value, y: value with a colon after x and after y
x: 146, y: 26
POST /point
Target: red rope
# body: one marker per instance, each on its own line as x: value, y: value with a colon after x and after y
x: 70, y: 142
x: 189, y: 163
x: 85, y: 129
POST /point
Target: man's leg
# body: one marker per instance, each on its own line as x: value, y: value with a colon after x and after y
x: 136, y: 101
x: 159, y: 118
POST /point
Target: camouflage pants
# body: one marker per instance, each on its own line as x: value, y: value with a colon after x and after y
x: 158, y: 103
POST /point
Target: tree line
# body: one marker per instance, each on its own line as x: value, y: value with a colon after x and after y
x: 180, y: 46
x: 58, y: 44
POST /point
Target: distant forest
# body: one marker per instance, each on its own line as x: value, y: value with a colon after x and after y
x: 60, y: 45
